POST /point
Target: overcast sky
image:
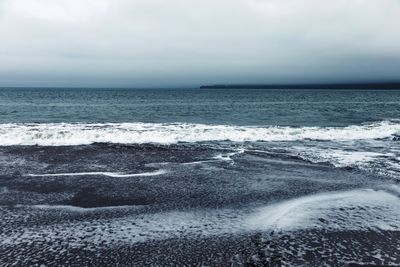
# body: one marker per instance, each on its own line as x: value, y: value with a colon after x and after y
x: 151, y: 43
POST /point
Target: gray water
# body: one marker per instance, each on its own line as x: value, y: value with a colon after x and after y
x: 172, y: 177
x: 218, y: 106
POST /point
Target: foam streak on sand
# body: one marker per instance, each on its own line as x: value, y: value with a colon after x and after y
x: 129, y: 229
x: 67, y: 134
x: 362, y: 209
x: 110, y: 174
x: 350, y: 210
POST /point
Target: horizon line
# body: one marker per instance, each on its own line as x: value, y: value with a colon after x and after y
x: 322, y: 85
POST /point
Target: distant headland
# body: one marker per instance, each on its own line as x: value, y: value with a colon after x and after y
x: 363, y: 86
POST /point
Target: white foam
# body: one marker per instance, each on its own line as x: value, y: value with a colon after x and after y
x: 75, y: 208
x: 228, y: 156
x: 110, y: 174
x: 58, y: 134
x: 379, y: 162
x: 130, y: 229
x: 394, y: 189
x: 351, y: 210
x: 357, y: 209
x: 339, y: 157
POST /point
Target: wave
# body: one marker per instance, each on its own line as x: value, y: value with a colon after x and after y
x: 67, y: 134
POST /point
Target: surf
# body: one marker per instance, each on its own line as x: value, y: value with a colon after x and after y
x: 71, y: 134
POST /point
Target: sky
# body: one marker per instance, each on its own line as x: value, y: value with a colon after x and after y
x: 188, y: 43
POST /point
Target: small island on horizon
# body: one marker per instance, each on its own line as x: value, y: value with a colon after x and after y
x: 362, y: 86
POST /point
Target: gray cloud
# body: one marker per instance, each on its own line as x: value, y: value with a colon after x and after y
x: 188, y: 42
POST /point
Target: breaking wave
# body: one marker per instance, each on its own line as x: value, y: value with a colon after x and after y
x: 67, y: 134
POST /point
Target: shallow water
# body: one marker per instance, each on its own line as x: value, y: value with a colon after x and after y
x: 199, y: 177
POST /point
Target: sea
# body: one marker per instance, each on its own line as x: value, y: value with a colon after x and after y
x: 199, y: 177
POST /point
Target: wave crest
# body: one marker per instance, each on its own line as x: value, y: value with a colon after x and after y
x: 66, y: 134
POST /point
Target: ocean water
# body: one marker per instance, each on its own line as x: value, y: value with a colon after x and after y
x: 215, y: 177
x: 242, y: 107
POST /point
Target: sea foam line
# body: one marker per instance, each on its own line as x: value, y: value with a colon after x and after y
x: 110, y: 174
